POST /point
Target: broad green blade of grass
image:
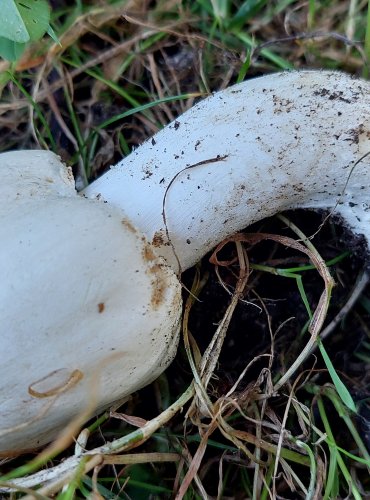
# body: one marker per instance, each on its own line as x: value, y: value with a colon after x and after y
x: 144, y: 107
x: 247, y: 10
x: 271, y: 56
x: 313, y: 469
x: 339, y: 462
x: 340, y: 387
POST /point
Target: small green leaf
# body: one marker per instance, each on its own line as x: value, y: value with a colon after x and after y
x: 11, y: 50
x: 11, y: 23
x: 36, y: 17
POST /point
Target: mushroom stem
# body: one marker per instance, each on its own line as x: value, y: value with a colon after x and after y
x: 273, y: 143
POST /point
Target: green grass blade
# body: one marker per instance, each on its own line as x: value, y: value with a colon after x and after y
x: 38, y: 112
x: 144, y: 107
x: 342, y: 390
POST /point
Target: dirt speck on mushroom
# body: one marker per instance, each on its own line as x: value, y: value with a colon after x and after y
x: 129, y: 226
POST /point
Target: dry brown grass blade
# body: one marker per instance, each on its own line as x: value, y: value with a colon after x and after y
x: 55, y: 486
x: 94, y: 19
x: 212, y: 353
x: 130, y: 419
x: 141, y: 458
x: 225, y: 406
x: 196, y: 461
x: 317, y: 261
x: 103, y: 56
x: 202, y: 404
x: 319, y: 315
x: 204, y: 369
x: 282, y: 433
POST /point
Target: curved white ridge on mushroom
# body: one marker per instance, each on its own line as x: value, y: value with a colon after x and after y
x: 268, y: 144
x: 87, y: 310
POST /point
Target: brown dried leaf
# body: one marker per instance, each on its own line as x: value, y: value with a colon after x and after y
x: 130, y: 419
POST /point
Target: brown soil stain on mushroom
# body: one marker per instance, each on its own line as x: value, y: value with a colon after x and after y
x: 158, y: 277
x: 159, y: 286
x: 159, y: 239
x: 361, y: 136
x: 148, y: 254
x: 127, y: 224
x: 101, y: 307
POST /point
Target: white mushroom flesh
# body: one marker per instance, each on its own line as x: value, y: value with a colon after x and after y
x: 272, y: 143
x: 88, y: 313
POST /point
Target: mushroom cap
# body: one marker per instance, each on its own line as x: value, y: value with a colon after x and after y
x: 88, y: 313
x: 32, y: 174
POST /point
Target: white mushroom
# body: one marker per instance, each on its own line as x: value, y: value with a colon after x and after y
x: 83, y: 312
x: 88, y: 312
x: 269, y: 144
